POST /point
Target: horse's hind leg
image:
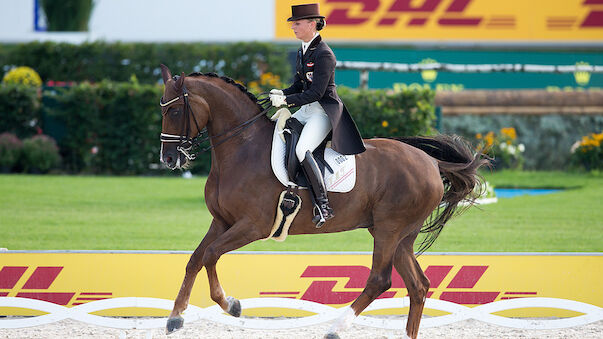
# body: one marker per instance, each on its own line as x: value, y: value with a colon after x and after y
x: 416, y: 282
x: 175, y: 321
x: 378, y: 281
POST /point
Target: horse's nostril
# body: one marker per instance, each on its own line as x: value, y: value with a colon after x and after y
x: 169, y: 159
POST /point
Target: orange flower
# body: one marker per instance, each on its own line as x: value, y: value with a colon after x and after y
x: 489, y: 139
x: 510, y: 132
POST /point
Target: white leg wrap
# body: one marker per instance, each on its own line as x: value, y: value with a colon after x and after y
x: 344, y: 321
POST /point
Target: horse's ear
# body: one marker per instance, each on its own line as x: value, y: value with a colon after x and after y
x: 165, y: 73
x: 180, y: 81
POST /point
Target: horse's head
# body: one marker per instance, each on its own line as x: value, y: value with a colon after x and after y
x: 184, y: 116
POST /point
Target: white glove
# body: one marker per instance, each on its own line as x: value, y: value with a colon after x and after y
x: 276, y: 91
x: 278, y: 100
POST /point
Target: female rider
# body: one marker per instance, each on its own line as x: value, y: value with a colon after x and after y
x: 321, y: 110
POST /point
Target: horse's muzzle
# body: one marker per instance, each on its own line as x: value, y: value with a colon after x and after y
x: 172, y: 159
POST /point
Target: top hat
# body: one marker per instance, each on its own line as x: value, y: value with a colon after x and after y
x: 307, y: 11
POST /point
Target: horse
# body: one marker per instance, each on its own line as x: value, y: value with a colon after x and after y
x: 404, y: 186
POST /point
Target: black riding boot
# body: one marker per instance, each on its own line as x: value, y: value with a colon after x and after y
x: 319, y: 190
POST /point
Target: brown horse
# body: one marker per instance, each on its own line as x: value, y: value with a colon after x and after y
x: 399, y: 184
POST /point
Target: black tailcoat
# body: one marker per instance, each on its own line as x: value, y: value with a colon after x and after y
x: 315, y: 81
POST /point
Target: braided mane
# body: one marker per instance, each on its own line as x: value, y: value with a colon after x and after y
x: 228, y: 80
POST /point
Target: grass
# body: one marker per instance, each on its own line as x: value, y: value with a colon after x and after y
x: 168, y: 213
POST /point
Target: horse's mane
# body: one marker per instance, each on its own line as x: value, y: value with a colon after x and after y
x: 230, y: 81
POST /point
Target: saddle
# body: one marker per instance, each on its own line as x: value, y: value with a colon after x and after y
x: 339, y: 171
x: 291, y: 133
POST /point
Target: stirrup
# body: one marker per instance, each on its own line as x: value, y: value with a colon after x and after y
x: 321, y: 216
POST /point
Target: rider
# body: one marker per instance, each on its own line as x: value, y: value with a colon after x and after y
x: 321, y: 108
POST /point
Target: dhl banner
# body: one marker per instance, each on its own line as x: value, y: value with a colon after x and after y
x: 73, y: 280
x: 454, y: 20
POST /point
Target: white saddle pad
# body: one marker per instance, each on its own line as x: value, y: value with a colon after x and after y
x: 341, y: 180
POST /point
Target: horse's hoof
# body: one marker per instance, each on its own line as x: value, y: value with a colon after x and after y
x: 234, y: 307
x: 174, y: 324
x: 331, y: 335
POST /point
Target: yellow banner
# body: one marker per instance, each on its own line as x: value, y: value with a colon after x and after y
x: 454, y: 20
x: 71, y: 279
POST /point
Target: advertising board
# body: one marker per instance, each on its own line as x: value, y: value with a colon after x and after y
x: 72, y: 279
x: 448, y: 81
x: 567, y: 21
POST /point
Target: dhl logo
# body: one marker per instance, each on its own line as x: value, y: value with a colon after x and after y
x: 36, y: 284
x: 458, y: 290
x: 444, y: 13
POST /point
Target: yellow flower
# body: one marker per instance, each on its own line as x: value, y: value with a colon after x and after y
x: 597, y: 138
x: 478, y: 135
x: 489, y: 139
x: 587, y: 141
x: 384, y: 123
x: 510, y: 132
x: 270, y: 79
x: 22, y: 75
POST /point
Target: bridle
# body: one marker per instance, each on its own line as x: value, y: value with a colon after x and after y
x: 186, y: 142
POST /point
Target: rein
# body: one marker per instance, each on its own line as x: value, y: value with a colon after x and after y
x: 186, y: 143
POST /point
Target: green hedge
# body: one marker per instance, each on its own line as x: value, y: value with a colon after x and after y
x: 547, y: 138
x: 107, y: 127
x: 19, y: 109
x: 113, y: 127
x: 95, y: 61
x: 383, y: 113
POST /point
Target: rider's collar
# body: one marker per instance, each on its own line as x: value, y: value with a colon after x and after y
x: 305, y: 45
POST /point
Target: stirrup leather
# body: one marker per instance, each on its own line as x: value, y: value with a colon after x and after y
x: 322, y: 210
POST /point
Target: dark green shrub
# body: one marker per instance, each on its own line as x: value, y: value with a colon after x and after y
x: 381, y: 113
x: 113, y: 127
x: 67, y: 15
x: 95, y: 61
x: 40, y: 154
x: 10, y: 151
x: 19, y: 109
x: 110, y: 127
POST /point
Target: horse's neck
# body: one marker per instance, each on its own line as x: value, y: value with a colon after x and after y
x: 228, y: 114
x: 247, y: 151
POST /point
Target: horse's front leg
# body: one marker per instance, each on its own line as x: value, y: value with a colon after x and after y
x: 239, y: 235
x: 175, y: 320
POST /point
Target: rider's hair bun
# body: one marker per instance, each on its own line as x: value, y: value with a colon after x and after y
x: 320, y: 23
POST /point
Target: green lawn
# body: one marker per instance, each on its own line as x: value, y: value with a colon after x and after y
x: 168, y: 213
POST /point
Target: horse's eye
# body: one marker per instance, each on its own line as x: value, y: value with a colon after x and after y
x: 174, y: 111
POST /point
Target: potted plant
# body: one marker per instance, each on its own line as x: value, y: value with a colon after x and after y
x: 67, y: 15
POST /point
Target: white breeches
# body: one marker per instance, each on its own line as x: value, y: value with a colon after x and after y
x: 316, y: 127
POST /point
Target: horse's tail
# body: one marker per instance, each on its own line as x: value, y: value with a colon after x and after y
x: 462, y: 183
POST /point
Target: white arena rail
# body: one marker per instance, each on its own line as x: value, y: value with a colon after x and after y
x: 324, y: 313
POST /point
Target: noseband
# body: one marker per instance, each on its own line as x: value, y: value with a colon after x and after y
x: 186, y: 143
